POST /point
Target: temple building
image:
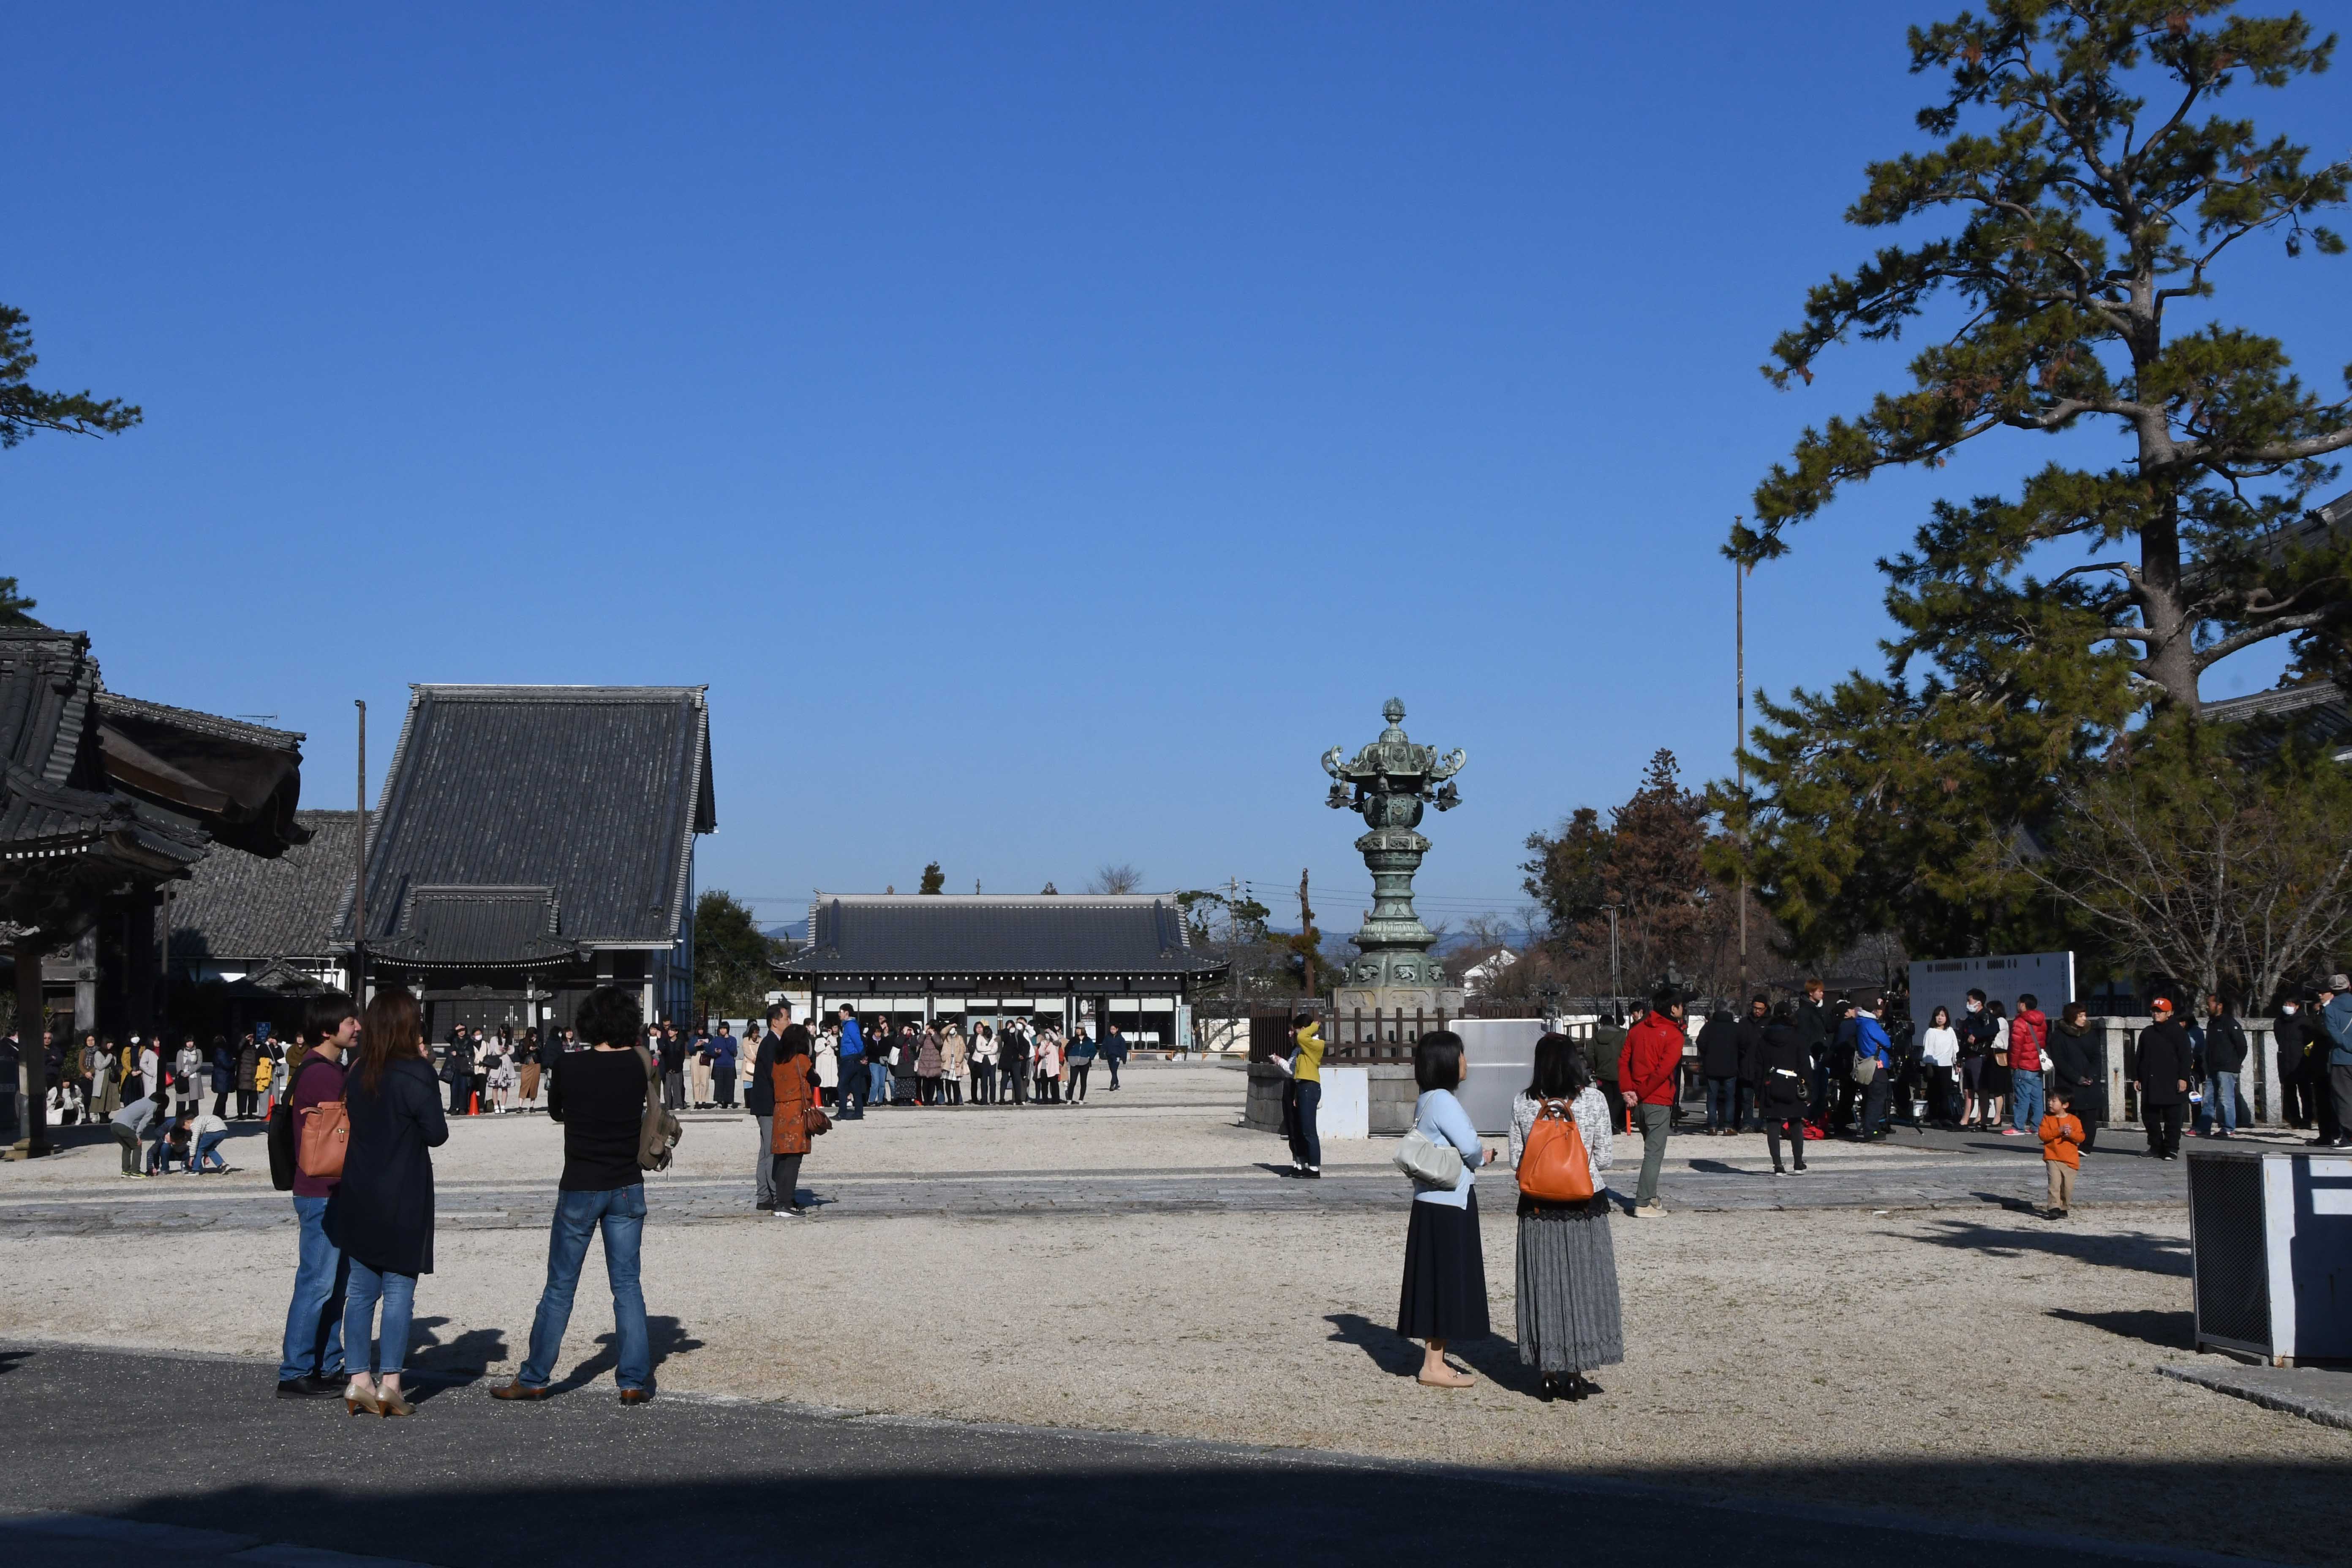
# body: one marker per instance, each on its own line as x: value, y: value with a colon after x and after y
x: 1095, y: 959
x: 253, y: 939
x: 533, y: 842
x: 105, y: 801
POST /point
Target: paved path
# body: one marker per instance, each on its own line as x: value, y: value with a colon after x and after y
x: 116, y: 1459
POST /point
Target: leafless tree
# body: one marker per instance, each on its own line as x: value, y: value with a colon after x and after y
x: 1120, y: 878
x: 2216, y: 875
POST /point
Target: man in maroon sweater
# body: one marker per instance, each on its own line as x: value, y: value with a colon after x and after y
x: 312, y: 1365
x: 1646, y: 1070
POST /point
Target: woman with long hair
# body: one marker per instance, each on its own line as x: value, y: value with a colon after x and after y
x: 1939, y: 1053
x: 1783, y: 1070
x: 788, y: 1137
x: 381, y: 1214
x: 1445, y: 1294
x: 1570, y: 1319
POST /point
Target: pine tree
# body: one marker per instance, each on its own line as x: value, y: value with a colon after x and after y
x: 934, y: 879
x: 2075, y: 219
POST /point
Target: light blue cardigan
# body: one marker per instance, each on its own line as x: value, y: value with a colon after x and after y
x: 1440, y: 1115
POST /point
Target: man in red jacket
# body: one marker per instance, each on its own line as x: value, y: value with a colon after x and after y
x: 1646, y: 1070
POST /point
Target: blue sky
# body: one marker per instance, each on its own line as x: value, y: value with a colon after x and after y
x: 1045, y: 429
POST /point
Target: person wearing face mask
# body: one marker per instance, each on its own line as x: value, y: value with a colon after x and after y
x: 1977, y: 1031
x: 2292, y: 1034
x: 2078, y: 1067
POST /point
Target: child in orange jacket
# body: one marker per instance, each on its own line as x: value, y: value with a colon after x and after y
x: 2062, y: 1153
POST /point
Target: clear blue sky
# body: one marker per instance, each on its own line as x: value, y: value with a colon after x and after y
x: 1044, y: 429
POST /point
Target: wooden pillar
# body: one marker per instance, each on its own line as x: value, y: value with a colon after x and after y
x: 32, y: 1123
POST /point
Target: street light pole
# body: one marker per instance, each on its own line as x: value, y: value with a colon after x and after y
x: 359, y: 876
x: 1739, y: 745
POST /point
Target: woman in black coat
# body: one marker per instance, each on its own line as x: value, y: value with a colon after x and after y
x: 381, y: 1212
x: 2078, y: 1066
x: 1781, y: 1068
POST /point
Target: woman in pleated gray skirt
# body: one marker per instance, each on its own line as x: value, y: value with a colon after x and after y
x: 1570, y: 1317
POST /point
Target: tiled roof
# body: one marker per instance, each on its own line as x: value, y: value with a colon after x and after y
x: 497, y: 927
x: 975, y: 936
x: 242, y: 907
x: 594, y: 791
x: 56, y: 798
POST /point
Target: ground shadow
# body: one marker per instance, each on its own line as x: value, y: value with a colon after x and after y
x: 2166, y: 1330
x: 1388, y: 1350
x: 2139, y: 1250
x: 456, y: 1364
x: 668, y: 1337
x: 8, y: 1360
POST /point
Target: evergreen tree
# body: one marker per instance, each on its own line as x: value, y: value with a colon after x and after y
x: 934, y: 879
x: 25, y: 408
x: 2073, y: 217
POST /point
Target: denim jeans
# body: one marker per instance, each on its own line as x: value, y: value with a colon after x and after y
x: 622, y: 1215
x: 2221, y: 1100
x: 878, y: 1081
x: 1723, y: 1103
x: 1305, y: 1137
x: 208, y: 1148
x: 314, y: 1319
x: 398, y: 1294
x: 2025, y: 1102
x: 852, y: 1090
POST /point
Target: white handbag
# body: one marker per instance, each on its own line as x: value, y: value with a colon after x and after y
x: 1428, y: 1162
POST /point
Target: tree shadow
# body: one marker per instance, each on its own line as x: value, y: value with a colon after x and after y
x: 2166, y: 1330
x: 2138, y: 1250
x: 668, y: 1338
x: 457, y: 1364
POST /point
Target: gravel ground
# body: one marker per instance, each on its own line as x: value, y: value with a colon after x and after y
x: 1969, y: 1361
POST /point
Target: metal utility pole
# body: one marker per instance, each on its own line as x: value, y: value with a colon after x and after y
x: 359, y: 874
x: 1616, y: 987
x: 1738, y: 748
x: 1306, y: 929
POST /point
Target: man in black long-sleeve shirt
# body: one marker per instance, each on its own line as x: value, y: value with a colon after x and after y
x: 599, y: 1096
x: 2164, y: 1069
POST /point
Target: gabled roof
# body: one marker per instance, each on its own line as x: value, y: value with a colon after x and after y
x: 592, y: 792
x: 973, y: 936
x: 504, y: 928
x: 241, y: 906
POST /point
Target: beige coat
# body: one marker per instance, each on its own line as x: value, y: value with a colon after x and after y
x: 954, y: 1058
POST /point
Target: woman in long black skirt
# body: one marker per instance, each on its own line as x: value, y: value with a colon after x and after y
x: 1569, y: 1318
x: 1444, y: 1297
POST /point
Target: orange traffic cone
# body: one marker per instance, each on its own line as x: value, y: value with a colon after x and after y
x: 475, y: 1106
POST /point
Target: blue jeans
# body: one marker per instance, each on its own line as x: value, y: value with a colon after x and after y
x: 1723, y: 1103
x: 878, y: 1081
x: 622, y: 1214
x: 853, y: 1088
x: 208, y: 1148
x: 2221, y: 1100
x: 2025, y: 1102
x: 314, y: 1319
x: 398, y: 1294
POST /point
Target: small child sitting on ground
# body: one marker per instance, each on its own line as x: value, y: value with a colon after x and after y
x: 2062, y: 1153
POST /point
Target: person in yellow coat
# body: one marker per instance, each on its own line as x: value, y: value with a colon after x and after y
x: 1303, y: 1096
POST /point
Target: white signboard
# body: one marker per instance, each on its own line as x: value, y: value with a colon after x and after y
x: 2047, y: 977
